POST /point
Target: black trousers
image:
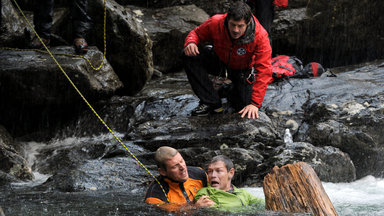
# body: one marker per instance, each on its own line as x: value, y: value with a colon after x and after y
x: 197, y: 69
x: 1, y: 16
x: 43, y: 15
x: 264, y: 12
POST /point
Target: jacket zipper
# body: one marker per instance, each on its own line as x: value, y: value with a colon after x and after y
x: 229, y: 59
x: 181, y: 185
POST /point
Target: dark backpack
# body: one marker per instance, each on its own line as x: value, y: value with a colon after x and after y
x: 312, y: 69
x: 285, y: 66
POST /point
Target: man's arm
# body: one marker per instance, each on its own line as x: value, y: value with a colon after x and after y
x: 197, y: 35
x: 261, y: 62
x: 253, y: 200
x: 202, y: 198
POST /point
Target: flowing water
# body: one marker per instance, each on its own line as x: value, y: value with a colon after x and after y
x: 362, y: 197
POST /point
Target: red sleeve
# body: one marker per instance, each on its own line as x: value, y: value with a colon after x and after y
x: 280, y: 3
x: 263, y: 68
x: 200, y: 33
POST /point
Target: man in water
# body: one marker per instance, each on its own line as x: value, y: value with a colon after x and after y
x: 241, y: 51
x: 179, y: 181
x: 221, y: 191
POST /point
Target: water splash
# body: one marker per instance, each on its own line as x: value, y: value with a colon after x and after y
x: 288, y: 140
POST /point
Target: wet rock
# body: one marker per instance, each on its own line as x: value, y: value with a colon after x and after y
x: 343, y: 111
x: 12, y: 26
x: 69, y: 153
x: 6, y: 178
x: 168, y: 27
x: 121, y: 173
x: 310, y: 34
x: 329, y: 163
x: 211, y: 7
x: 17, y: 33
x: 128, y: 44
x: 34, y: 89
x: 297, y: 3
x: 160, y: 115
x: 163, y: 118
x: 116, y: 112
x: 13, y: 167
x: 183, y: 132
x: 88, y: 163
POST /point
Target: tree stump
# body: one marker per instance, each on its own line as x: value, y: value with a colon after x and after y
x: 296, y: 188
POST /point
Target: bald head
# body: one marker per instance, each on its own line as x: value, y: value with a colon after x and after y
x: 163, y: 154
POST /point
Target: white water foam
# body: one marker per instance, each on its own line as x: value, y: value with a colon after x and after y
x: 39, y: 179
x: 32, y: 149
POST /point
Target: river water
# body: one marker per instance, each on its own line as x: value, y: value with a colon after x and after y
x: 362, y: 197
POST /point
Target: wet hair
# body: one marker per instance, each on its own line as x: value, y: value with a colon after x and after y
x: 238, y: 11
x: 163, y: 154
x: 228, y: 162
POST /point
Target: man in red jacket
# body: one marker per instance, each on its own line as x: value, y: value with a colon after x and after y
x: 241, y: 51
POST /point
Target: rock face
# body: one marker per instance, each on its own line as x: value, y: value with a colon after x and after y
x: 336, y: 122
x: 211, y: 7
x: 343, y: 112
x: 331, y: 32
x: 12, y: 26
x: 32, y: 81
x: 78, y: 164
x: 160, y: 115
x: 128, y: 44
x: 13, y: 167
x: 167, y: 28
x: 330, y: 164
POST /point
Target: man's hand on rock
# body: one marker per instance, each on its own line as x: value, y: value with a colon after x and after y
x: 251, y: 110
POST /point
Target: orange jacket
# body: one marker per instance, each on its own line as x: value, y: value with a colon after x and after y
x: 177, y: 192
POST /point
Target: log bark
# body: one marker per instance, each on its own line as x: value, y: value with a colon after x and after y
x: 296, y: 188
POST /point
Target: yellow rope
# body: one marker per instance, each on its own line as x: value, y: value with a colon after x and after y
x: 81, y: 95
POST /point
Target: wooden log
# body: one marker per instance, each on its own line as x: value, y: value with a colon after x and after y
x: 296, y: 188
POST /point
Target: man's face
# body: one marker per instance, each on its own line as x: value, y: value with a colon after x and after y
x: 219, y: 176
x: 176, y: 168
x: 236, y: 28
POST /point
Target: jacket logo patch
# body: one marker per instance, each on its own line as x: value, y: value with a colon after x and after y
x: 241, y: 51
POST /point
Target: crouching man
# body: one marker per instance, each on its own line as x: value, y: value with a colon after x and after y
x: 241, y: 51
x: 221, y: 191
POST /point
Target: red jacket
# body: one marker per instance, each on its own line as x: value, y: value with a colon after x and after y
x: 251, y: 50
x: 280, y: 3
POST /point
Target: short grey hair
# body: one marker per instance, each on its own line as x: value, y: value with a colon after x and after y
x: 226, y: 160
x: 163, y: 154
